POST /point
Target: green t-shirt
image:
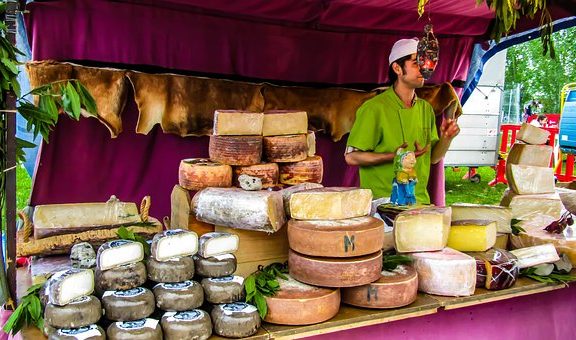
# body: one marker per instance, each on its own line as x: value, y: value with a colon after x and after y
x: 382, y: 125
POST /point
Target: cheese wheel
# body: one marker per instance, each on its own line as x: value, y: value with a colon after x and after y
x: 217, y: 243
x: 309, y: 170
x: 290, y: 148
x: 297, y: 303
x: 81, y: 312
x: 267, y: 172
x: 173, y: 243
x: 91, y: 332
x: 127, y: 276
x: 225, y: 289
x: 237, y: 122
x: 116, y: 253
x: 179, y: 296
x: 68, y: 285
x: 284, y: 122
x: 187, y: 325
x: 176, y: 270
x: 496, y: 269
x: 216, y: 266
x: 235, y: 320
x: 395, y: 288
x: 235, y: 150
x: 335, y: 272
x: 336, y: 238
x: 333, y: 203
x: 287, y: 193
x: 198, y: 173
x: 128, y: 305
x: 143, y: 329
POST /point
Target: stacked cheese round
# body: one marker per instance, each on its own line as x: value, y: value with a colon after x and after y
x: 310, y: 170
x: 198, y: 173
x: 267, y: 172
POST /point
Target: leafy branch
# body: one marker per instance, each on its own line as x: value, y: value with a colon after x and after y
x: 516, y: 229
x: 127, y: 234
x: 390, y: 262
x: 29, y: 312
x: 555, y: 277
x: 264, y: 283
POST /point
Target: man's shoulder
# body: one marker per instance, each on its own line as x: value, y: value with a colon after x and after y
x: 379, y: 99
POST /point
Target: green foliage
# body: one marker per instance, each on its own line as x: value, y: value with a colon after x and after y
x: 28, y: 312
x: 542, y: 78
x: 264, y: 283
x: 555, y: 277
x: 390, y: 262
x: 127, y: 234
x: 516, y: 229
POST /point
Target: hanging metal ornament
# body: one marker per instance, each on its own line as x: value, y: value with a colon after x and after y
x: 428, y: 51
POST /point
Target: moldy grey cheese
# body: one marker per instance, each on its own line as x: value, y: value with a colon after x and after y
x: 187, y: 325
x: 216, y: 266
x: 81, y: 312
x: 223, y: 289
x: 126, y: 276
x: 179, y: 296
x: 128, y: 305
x: 235, y: 320
x: 91, y: 332
x: 174, y: 270
x: 143, y: 329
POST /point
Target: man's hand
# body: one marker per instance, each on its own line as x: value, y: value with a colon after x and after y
x: 419, y: 151
x: 449, y: 129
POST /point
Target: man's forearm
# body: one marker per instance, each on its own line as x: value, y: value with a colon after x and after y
x: 367, y: 158
x: 439, y: 150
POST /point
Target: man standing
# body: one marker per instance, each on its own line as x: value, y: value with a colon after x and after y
x: 397, y: 119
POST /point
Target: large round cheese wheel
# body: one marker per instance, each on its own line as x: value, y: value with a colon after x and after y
x: 128, y: 305
x: 235, y: 320
x: 297, y: 303
x: 310, y: 170
x: 81, y: 312
x: 187, y: 325
x: 225, y: 289
x: 199, y: 173
x: 177, y: 270
x: 336, y: 238
x: 142, y: 329
x: 235, y: 150
x: 393, y: 289
x: 215, y: 266
x: 91, y: 332
x: 179, y: 296
x: 290, y: 148
x: 127, y: 276
x: 335, y: 272
x: 267, y: 172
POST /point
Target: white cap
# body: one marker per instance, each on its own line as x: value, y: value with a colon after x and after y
x: 402, y: 48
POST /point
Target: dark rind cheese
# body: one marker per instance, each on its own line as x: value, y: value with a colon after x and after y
x: 217, y: 266
x: 81, y: 312
x: 199, y: 173
x: 290, y: 148
x: 128, y: 305
x: 393, y: 289
x: 336, y: 238
x: 235, y: 150
x: 310, y: 170
x: 179, y: 296
x: 235, y: 320
x: 177, y: 270
x: 90, y: 332
x: 335, y: 272
x: 267, y: 172
x: 225, y: 289
x: 187, y: 325
x: 127, y: 276
x: 496, y: 269
x: 143, y: 329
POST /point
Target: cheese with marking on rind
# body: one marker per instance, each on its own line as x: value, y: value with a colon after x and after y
x: 310, y: 170
x: 335, y: 272
x: 446, y: 272
x: 81, y: 312
x: 395, y: 288
x: 217, y: 243
x: 333, y: 203
x: 235, y: 150
x: 217, y: 266
x: 533, y: 155
x: 90, y: 332
x: 173, y: 243
x: 287, y: 193
x: 68, y: 285
x: 116, y: 253
x: 237, y: 208
x: 226, y: 289
x: 422, y: 229
x: 128, y: 305
x: 532, y: 134
x: 528, y: 206
x: 143, y: 329
x: 267, y: 172
x: 467, y: 211
x: 235, y: 320
x: 199, y: 173
x: 537, y: 236
x: 529, y: 180
x: 281, y: 149
x: 237, y: 123
x: 535, y: 255
x: 336, y: 238
x: 496, y: 269
x: 297, y: 303
x: 127, y: 276
x: 175, y: 270
x: 179, y: 296
x: 284, y: 122
x: 186, y: 325
x: 472, y: 235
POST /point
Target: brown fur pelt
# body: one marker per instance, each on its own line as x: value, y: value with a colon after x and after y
x: 443, y: 99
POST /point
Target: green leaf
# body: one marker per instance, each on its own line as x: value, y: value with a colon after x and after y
x: 125, y: 234
x: 261, y: 305
x: 10, y: 65
x: 390, y: 262
x: 250, y: 284
x: 35, y: 308
x: 86, y: 97
x: 71, y: 101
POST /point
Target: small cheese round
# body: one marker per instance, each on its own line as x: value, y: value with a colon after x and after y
x: 81, y: 312
x: 225, y: 289
x: 289, y: 148
x: 127, y: 276
x: 215, y: 266
x: 199, y: 173
x: 90, y: 332
x: 143, y: 329
x: 177, y: 270
x: 235, y: 320
x: 179, y: 296
x: 310, y: 170
x: 187, y: 325
x: 128, y: 305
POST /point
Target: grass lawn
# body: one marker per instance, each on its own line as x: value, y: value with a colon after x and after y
x: 459, y: 190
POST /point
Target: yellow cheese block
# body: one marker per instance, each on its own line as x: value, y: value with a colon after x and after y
x: 422, y: 229
x: 467, y: 211
x: 284, y: 122
x: 526, y: 154
x: 334, y: 203
x: 237, y: 123
x: 472, y: 235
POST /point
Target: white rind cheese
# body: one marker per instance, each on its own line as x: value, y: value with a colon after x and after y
x: 114, y: 254
x: 529, y: 206
x: 173, y: 244
x: 467, y: 211
x: 217, y: 243
x: 533, y: 155
x: 332, y: 203
x: 529, y: 180
x: 422, y: 229
x: 68, y: 285
x: 535, y: 255
x: 532, y: 134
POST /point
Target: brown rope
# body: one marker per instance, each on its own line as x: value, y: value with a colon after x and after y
x: 145, y: 208
x: 26, y: 230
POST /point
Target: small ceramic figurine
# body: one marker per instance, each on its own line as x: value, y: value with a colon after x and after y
x: 404, y: 182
